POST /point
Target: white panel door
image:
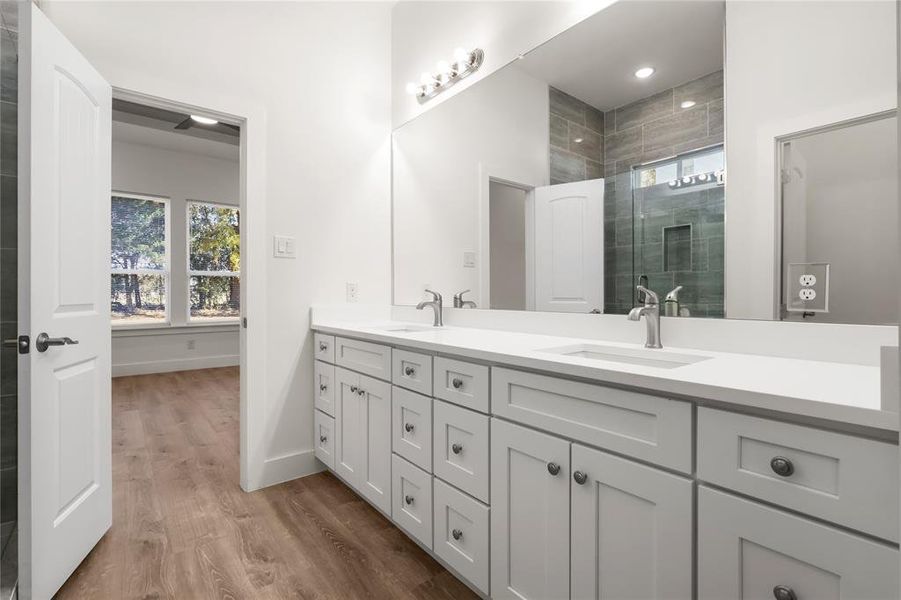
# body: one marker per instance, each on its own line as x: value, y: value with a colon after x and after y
x: 631, y: 529
x: 65, y: 473
x: 349, y: 429
x: 530, y: 506
x: 375, y: 479
x: 569, y: 247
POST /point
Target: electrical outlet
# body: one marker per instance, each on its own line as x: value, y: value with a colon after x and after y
x: 351, y: 289
x: 807, y: 294
x: 192, y: 344
x: 808, y: 280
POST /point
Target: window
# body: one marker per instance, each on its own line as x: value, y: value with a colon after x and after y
x: 139, y: 260
x: 214, y: 262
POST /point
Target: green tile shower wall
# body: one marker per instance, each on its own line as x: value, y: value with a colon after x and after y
x: 614, y: 141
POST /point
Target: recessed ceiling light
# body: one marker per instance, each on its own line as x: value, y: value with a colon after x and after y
x: 645, y: 72
x: 688, y: 104
x: 204, y: 120
x: 578, y: 140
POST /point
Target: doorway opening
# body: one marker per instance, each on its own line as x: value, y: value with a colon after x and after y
x: 509, y: 246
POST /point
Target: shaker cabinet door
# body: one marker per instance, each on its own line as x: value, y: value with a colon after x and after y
x: 530, y: 524
x: 631, y: 529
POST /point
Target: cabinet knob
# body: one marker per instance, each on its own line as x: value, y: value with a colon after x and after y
x: 782, y: 466
x: 783, y: 592
x: 353, y: 389
x: 322, y: 387
x: 408, y: 371
x: 323, y: 346
x: 457, y: 383
x: 361, y: 391
x: 408, y: 499
x: 553, y: 468
x: 323, y: 439
x: 580, y: 477
x: 457, y: 448
x: 457, y: 534
x: 408, y: 427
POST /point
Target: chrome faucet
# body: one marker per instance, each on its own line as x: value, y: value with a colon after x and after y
x: 435, y: 303
x: 459, y: 302
x: 650, y: 310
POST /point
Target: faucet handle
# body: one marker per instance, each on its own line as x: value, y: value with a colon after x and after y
x: 435, y: 296
x: 459, y: 295
x: 651, y: 297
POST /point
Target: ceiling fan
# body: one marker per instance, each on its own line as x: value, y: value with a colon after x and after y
x: 205, y: 122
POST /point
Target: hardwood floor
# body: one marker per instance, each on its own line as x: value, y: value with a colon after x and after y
x: 183, y: 528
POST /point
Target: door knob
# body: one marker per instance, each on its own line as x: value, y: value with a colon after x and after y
x: 553, y: 468
x: 44, y: 341
x: 580, y: 477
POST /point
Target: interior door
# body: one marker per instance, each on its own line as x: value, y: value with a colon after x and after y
x: 529, y: 513
x: 569, y: 247
x: 65, y: 452
x: 794, y: 215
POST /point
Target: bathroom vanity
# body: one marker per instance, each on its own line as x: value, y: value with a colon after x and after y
x: 534, y: 466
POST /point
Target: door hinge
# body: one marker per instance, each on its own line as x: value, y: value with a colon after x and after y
x: 244, y: 322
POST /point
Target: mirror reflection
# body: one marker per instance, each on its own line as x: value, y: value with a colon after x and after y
x: 597, y: 163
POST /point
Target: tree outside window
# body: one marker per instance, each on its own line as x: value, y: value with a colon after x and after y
x: 214, y: 262
x: 139, y: 260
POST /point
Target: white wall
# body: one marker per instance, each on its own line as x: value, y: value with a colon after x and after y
x: 319, y: 71
x: 178, y: 176
x: 424, y: 32
x: 442, y: 162
x: 790, y: 66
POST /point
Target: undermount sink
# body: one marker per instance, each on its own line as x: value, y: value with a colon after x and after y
x: 403, y: 328
x: 660, y: 359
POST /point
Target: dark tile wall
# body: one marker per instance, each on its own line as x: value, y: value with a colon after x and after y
x: 576, y: 139
x: 650, y: 129
x: 8, y: 256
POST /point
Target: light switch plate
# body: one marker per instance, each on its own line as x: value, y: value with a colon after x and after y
x: 469, y: 259
x: 284, y: 246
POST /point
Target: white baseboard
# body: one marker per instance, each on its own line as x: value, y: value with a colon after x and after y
x: 289, y: 466
x: 177, y: 364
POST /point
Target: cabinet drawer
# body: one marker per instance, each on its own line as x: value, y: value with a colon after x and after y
x: 412, y: 371
x: 324, y: 347
x: 323, y: 387
x: 324, y: 438
x: 747, y: 550
x: 461, y: 448
x: 461, y: 534
x: 364, y: 357
x: 462, y: 383
x: 840, y: 478
x: 412, y: 427
x: 411, y: 505
x: 650, y: 428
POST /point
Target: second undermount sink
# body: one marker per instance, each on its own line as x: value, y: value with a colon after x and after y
x: 404, y: 328
x: 660, y: 359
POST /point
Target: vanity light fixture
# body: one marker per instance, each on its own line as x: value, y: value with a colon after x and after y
x: 203, y: 120
x: 645, y: 72
x: 447, y: 74
x: 688, y: 104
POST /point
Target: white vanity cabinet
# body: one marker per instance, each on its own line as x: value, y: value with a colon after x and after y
x: 363, y: 435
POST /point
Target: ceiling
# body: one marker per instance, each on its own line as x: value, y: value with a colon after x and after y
x: 139, y: 124
x: 595, y: 60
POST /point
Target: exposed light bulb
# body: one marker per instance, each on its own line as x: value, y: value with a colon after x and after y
x: 427, y: 79
x: 443, y: 67
x: 412, y: 88
x: 204, y: 120
x: 688, y: 104
x: 645, y: 72
x: 461, y: 56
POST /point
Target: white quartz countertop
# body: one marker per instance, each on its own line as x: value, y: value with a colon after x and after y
x: 843, y: 393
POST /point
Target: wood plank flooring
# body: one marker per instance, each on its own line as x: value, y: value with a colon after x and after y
x: 183, y: 528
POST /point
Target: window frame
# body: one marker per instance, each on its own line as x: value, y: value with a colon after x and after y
x: 166, y: 271
x: 189, y: 273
